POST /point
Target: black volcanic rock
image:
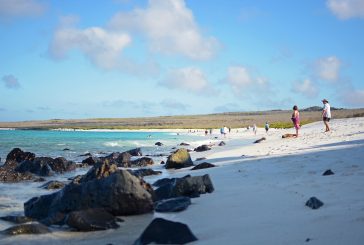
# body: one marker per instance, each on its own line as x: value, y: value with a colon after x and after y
x: 175, y: 204
x: 119, y: 193
x: 203, y: 165
x: 202, y: 148
x: 161, y: 231
x: 186, y: 186
x: 328, y: 172
x: 91, y: 220
x: 16, y: 156
x: 314, y: 203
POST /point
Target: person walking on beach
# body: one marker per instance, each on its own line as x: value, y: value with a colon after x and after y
x: 326, y: 114
x: 255, y: 129
x: 296, y: 119
x: 266, y: 127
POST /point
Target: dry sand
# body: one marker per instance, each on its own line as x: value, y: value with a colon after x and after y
x: 261, y: 190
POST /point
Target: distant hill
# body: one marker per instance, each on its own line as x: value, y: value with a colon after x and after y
x: 318, y: 108
x: 280, y: 118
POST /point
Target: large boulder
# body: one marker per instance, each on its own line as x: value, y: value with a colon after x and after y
x: 7, y: 174
x: 119, y: 193
x: 16, y: 156
x: 179, y: 159
x: 121, y: 159
x: 46, y: 166
x: 60, y: 165
x: 39, y: 166
x: 161, y: 231
x: 137, y: 152
x: 186, y: 186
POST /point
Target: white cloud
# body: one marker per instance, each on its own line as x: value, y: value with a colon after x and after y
x: 190, y: 79
x: 241, y: 81
x: 171, y: 28
x: 101, y: 46
x: 11, y: 82
x: 346, y: 9
x: 238, y: 77
x: 19, y: 8
x: 306, y: 88
x: 328, y: 68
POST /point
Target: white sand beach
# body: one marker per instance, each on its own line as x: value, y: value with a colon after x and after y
x: 261, y: 190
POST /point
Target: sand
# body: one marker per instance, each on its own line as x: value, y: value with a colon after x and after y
x: 261, y: 190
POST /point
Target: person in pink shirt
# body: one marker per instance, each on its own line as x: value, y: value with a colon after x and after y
x: 296, y: 119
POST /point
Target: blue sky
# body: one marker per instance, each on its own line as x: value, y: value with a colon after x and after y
x: 134, y: 58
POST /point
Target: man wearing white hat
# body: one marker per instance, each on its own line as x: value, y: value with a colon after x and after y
x: 326, y: 114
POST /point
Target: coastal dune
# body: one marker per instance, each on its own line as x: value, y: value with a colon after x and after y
x: 261, y: 191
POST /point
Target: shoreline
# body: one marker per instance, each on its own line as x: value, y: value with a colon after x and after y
x: 261, y: 190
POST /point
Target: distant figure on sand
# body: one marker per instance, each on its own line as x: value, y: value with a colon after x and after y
x: 206, y: 132
x: 255, y: 129
x: 296, y: 119
x: 266, y: 127
x: 326, y: 114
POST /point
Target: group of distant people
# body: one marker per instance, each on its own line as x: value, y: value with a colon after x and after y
x: 326, y: 116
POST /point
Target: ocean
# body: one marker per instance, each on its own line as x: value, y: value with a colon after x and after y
x: 73, y: 144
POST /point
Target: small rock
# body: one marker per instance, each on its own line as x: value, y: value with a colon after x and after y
x: 173, y: 204
x: 27, y: 229
x: 161, y: 231
x: 91, y: 220
x: 144, y: 172
x: 314, y: 203
x: 203, y: 165
x: 88, y: 154
x: 202, y: 148
x: 16, y: 219
x: 158, y: 144
x: 66, y: 149
x: 184, y: 144
x: 200, y: 158
x: 222, y: 143
x: 328, y: 172
x: 51, y: 185
x: 260, y: 140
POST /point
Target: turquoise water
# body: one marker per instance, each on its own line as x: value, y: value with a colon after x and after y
x: 98, y: 143
x: 54, y: 143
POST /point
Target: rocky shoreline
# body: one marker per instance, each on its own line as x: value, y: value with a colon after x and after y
x: 110, y: 189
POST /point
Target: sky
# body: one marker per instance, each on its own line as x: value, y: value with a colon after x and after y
x: 74, y: 59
